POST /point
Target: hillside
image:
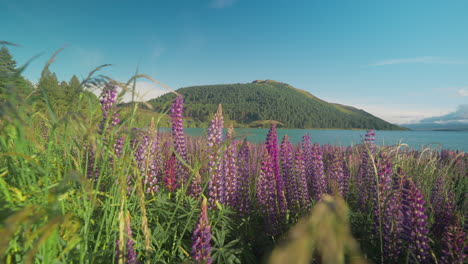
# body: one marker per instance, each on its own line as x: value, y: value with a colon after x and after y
x: 259, y: 103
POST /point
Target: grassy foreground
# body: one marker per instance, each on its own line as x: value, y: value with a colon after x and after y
x: 94, y: 189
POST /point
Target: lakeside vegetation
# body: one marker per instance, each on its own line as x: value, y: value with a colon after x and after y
x: 81, y: 184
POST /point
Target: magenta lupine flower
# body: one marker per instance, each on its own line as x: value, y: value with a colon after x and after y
x: 454, y: 245
x: 300, y: 171
x: 129, y: 255
x: 267, y: 195
x: 290, y: 181
x: 170, y: 180
x: 214, y: 139
x: 271, y: 144
x: 178, y: 136
x: 366, y: 174
x: 318, y: 181
x: 415, y: 222
x: 230, y: 170
x: 201, y: 247
x: 108, y: 105
x: 243, y: 204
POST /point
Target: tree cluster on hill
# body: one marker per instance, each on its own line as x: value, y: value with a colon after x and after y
x: 247, y: 104
x: 62, y: 97
x: 12, y: 84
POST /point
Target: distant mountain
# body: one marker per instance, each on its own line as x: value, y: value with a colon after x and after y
x: 457, y: 120
x: 260, y: 103
x: 453, y: 126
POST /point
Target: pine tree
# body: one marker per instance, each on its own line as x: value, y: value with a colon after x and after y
x: 75, y: 85
x: 12, y: 84
x: 50, y: 92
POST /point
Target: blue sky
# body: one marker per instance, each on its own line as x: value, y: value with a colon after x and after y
x: 399, y: 60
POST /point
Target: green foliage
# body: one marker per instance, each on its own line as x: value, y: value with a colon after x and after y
x: 12, y: 84
x: 253, y: 104
x: 324, y: 235
x: 52, y: 212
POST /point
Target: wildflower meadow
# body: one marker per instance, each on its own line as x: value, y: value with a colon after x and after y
x: 100, y: 189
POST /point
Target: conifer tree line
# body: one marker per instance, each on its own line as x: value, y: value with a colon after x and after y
x: 61, y: 96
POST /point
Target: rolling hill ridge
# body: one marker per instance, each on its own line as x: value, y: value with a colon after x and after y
x: 260, y: 103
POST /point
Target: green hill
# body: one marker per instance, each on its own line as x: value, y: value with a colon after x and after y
x: 259, y: 103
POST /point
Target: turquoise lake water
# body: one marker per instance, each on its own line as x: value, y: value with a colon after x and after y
x: 454, y: 140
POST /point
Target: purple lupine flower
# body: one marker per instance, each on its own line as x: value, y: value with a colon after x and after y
x: 244, y: 178
x: 166, y: 146
x: 393, y: 217
x: 443, y: 206
x: 154, y: 169
x: 129, y: 255
x: 178, y: 136
x: 195, y: 185
x: 170, y: 180
x: 147, y: 157
x: 335, y: 172
x: 308, y: 159
x: 118, y: 146
x: 214, y: 139
x: 108, y: 105
x: 92, y: 171
x: 415, y: 222
x: 230, y: 169
x: 454, y: 245
x: 366, y: 174
x: 271, y: 144
x: 385, y: 172
x: 286, y: 155
x: 300, y: 170
x: 201, y: 247
x: 387, y: 210
x: 343, y: 183
x: 319, y: 182
x: 327, y: 157
x: 267, y: 195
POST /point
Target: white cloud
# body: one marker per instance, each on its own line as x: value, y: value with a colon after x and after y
x: 401, y: 113
x: 460, y: 116
x: 145, y: 91
x: 222, y: 3
x: 463, y: 92
x: 157, y: 51
x: 427, y: 60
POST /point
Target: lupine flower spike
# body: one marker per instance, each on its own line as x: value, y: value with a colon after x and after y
x: 214, y: 139
x: 415, y: 222
x: 178, y: 136
x: 201, y: 247
x: 108, y: 105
